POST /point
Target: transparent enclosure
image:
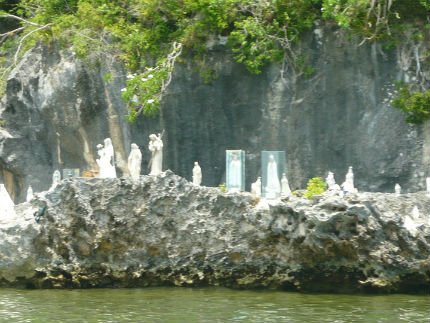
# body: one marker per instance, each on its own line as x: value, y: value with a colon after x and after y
x: 71, y: 172
x: 273, y: 164
x: 235, y: 170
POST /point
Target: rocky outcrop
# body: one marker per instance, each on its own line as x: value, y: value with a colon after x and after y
x: 163, y: 230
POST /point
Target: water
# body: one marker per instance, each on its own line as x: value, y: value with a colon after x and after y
x: 211, y: 305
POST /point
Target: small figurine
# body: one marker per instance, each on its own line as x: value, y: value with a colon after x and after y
x: 134, y: 161
x: 56, y: 178
x: 197, y: 174
x: 156, y: 148
x: 256, y: 188
x: 397, y: 189
x: 348, y: 185
x: 285, y: 186
x: 29, y: 194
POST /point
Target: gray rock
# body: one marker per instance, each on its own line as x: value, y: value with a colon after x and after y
x: 163, y: 230
x: 58, y: 108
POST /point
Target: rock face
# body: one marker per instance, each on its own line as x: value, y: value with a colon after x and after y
x: 337, y: 117
x: 163, y: 230
x: 57, y: 109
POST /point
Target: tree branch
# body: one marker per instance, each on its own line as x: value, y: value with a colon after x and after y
x: 8, y: 15
x: 21, y: 41
x: 12, y: 32
x: 169, y: 65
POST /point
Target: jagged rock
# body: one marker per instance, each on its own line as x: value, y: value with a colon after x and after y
x: 163, y: 230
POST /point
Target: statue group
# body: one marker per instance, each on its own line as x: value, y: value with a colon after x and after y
x: 106, y: 160
x: 271, y: 185
x: 274, y: 182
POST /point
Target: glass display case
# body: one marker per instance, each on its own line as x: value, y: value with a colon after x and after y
x: 235, y: 170
x: 273, y: 164
x: 71, y: 172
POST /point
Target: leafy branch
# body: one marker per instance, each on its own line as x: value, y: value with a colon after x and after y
x: 22, y: 39
x: 145, y: 90
x: 415, y: 104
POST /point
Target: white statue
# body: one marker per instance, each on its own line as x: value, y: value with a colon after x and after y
x: 56, y: 178
x: 156, y: 149
x: 348, y: 185
x: 332, y: 187
x: 197, y: 174
x: 110, y: 156
x: 397, y: 189
x: 273, y: 186
x: 106, y: 160
x: 134, y: 161
x: 285, y: 186
x: 256, y: 187
x: 109, y: 150
x: 6, y: 204
x: 331, y: 182
x: 101, y: 161
x: 428, y: 185
x: 29, y: 194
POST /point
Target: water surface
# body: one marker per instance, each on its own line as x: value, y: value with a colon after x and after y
x: 211, y: 305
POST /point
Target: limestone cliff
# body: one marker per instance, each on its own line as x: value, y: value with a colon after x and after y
x: 57, y: 109
x: 163, y: 230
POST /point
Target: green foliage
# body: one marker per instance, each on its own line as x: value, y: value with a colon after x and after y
x: 270, y: 32
x: 315, y: 186
x: 141, y: 33
x: 222, y: 187
x: 425, y: 4
x: 377, y: 19
x: 142, y: 90
x: 415, y: 104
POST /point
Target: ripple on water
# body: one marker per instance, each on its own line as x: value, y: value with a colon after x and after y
x: 211, y: 305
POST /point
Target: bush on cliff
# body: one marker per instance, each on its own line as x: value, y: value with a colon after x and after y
x: 316, y: 186
x: 415, y: 104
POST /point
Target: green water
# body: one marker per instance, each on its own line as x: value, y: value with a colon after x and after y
x: 186, y: 305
